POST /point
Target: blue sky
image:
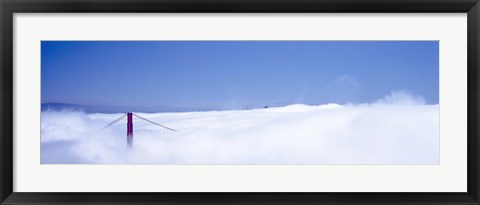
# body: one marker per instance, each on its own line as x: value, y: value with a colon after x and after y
x: 235, y: 74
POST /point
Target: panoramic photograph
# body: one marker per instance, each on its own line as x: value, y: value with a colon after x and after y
x: 240, y: 102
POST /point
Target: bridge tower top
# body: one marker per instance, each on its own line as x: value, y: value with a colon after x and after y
x: 129, y: 116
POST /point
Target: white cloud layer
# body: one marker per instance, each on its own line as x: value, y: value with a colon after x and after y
x: 398, y: 129
x: 402, y: 97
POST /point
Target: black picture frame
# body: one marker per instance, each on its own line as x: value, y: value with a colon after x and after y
x: 9, y: 7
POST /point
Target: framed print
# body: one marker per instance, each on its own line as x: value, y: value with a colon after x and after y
x: 253, y: 102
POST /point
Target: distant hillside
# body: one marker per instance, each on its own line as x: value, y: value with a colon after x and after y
x: 115, y: 109
x: 85, y: 108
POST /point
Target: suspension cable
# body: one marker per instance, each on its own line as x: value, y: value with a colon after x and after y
x: 154, y: 123
x: 115, y: 121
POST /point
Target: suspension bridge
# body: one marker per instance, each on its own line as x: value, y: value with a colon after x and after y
x: 124, y: 125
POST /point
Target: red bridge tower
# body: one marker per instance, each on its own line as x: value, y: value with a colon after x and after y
x: 129, y: 129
